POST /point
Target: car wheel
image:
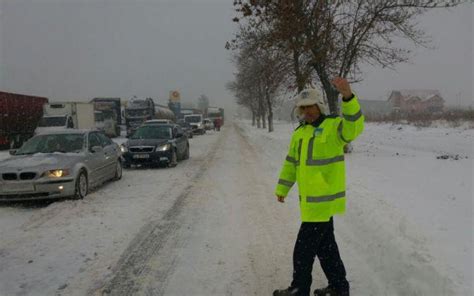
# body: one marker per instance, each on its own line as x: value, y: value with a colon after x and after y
x: 174, y: 159
x: 82, y: 185
x: 118, y: 171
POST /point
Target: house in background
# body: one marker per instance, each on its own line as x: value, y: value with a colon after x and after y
x: 416, y: 101
x: 373, y: 108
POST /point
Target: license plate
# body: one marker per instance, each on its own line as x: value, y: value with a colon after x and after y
x: 140, y: 156
x: 12, y: 188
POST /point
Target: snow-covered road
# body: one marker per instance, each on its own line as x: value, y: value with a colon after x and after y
x: 211, y: 226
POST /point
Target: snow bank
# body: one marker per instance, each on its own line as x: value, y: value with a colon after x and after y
x: 408, y: 229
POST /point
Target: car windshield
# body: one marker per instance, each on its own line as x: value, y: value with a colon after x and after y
x: 98, y: 116
x: 153, y: 132
x: 52, y: 121
x: 193, y: 119
x: 53, y: 143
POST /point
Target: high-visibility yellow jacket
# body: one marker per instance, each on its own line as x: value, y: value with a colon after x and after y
x: 315, y: 161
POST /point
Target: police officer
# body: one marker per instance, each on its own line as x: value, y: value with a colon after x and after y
x: 315, y: 161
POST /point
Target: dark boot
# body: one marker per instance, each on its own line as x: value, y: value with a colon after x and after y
x: 329, y: 291
x: 286, y: 292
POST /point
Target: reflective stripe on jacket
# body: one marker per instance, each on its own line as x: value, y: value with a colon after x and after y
x: 315, y: 161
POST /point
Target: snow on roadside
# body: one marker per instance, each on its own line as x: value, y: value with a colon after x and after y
x: 408, y: 228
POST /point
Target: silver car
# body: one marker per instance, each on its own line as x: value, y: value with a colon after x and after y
x: 59, y: 164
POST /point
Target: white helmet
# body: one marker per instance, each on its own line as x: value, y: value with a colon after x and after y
x: 311, y: 96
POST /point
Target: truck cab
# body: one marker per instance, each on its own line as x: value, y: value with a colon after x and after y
x: 58, y: 116
x: 138, y: 111
x: 54, y: 122
x: 197, y: 123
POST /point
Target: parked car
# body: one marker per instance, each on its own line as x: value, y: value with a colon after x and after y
x: 156, y: 144
x: 208, y: 124
x: 59, y: 164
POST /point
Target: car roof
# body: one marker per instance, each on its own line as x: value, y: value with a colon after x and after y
x: 68, y: 131
x: 158, y: 120
x: 161, y: 125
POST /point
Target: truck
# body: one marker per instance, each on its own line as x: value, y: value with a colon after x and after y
x: 197, y: 123
x: 214, y: 113
x: 139, y: 110
x: 19, y: 116
x: 110, y: 115
x: 65, y: 115
x: 163, y: 112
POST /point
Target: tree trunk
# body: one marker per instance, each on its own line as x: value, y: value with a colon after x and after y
x: 329, y: 90
x: 270, y: 113
x: 300, y: 81
x: 253, y: 118
x: 261, y: 111
x: 332, y: 96
x: 270, y: 122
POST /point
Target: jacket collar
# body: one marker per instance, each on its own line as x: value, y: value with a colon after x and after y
x: 316, y: 123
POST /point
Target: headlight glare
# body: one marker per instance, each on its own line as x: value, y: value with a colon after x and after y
x: 163, y: 147
x: 57, y: 173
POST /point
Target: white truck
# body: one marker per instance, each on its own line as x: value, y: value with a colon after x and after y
x: 197, y: 123
x: 64, y: 115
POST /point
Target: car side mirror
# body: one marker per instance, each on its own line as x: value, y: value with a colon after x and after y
x: 12, y: 151
x: 96, y: 149
x: 179, y: 135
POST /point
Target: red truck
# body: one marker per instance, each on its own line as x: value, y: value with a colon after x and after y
x: 19, y: 116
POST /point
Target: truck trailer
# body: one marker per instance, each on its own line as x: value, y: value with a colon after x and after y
x: 19, y: 116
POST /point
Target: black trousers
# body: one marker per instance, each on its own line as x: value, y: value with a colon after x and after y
x: 317, y: 239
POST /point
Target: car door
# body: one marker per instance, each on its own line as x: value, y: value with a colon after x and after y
x: 111, y: 155
x: 96, y: 160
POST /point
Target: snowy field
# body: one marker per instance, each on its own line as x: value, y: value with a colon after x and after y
x: 211, y: 226
x: 408, y: 229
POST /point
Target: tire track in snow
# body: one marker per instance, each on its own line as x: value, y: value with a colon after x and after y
x: 138, y: 264
x: 239, y: 239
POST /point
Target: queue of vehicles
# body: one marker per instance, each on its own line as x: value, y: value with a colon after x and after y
x: 61, y: 149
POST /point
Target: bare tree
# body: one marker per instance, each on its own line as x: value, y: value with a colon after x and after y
x: 243, y: 98
x: 262, y: 71
x: 336, y: 37
x: 203, y: 103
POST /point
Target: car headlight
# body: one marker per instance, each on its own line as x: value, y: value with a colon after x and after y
x: 56, y: 173
x: 163, y: 147
x: 123, y: 148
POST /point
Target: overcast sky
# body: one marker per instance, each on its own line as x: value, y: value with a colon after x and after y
x: 79, y: 49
